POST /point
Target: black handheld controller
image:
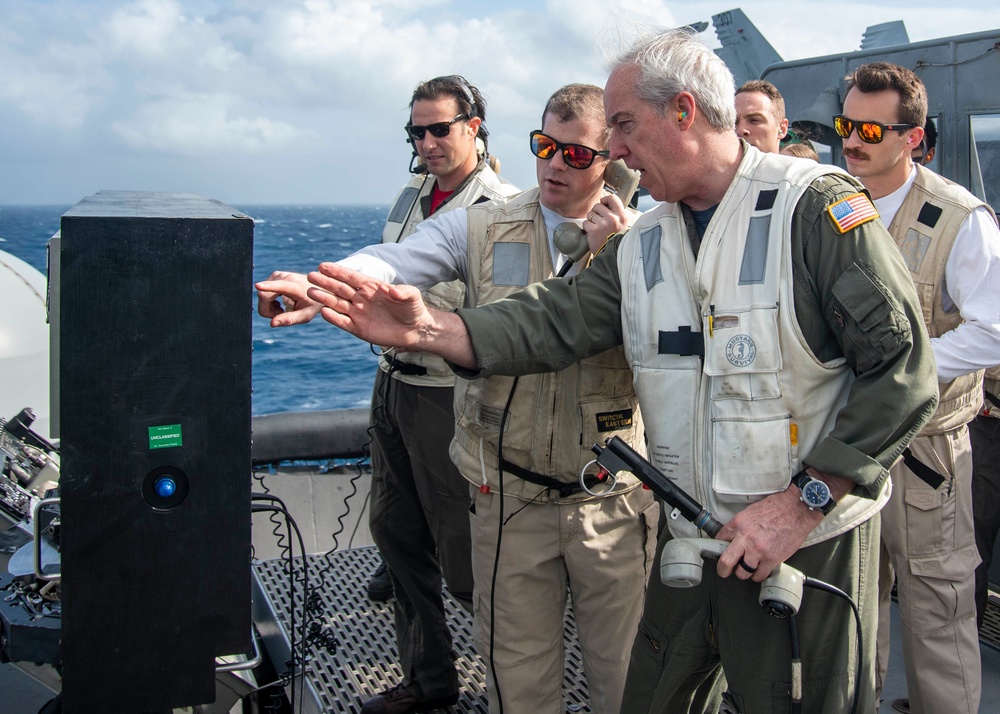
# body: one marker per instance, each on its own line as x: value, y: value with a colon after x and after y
x: 617, y: 456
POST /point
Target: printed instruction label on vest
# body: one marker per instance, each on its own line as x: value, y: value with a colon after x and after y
x: 489, y: 417
x: 665, y: 458
x: 614, y: 421
x: 163, y: 437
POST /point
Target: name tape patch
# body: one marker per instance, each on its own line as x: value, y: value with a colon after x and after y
x: 614, y: 421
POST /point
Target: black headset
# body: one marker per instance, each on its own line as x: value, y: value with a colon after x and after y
x: 459, y: 81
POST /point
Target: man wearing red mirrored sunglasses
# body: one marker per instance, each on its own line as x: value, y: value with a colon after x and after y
x: 951, y: 244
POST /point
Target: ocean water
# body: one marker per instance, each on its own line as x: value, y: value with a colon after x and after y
x: 306, y: 367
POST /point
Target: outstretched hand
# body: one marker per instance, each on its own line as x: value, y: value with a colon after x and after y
x: 388, y: 315
x: 377, y: 312
x: 282, y: 299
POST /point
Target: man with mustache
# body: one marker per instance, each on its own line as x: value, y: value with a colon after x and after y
x: 951, y: 244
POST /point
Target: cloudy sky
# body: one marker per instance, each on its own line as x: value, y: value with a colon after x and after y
x: 303, y: 101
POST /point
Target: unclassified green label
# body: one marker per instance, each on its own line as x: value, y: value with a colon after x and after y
x: 162, y: 437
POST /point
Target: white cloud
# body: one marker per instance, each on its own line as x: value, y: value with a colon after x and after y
x: 317, y: 90
x: 146, y: 28
x: 198, y: 125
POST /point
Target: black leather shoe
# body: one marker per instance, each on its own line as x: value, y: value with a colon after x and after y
x: 399, y: 700
x: 380, y: 586
x: 902, y: 705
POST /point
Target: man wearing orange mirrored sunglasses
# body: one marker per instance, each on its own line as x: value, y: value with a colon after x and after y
x: 951, y: 244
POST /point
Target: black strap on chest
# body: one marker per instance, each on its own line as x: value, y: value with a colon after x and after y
x: 410, y: 370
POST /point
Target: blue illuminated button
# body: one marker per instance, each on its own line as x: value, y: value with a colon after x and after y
x: 165, y: 487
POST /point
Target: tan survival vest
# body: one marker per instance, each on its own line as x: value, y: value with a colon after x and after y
x: 554, y: 418
x: 925, y: 228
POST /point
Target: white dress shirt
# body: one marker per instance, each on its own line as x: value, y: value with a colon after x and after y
x: 437, y: 251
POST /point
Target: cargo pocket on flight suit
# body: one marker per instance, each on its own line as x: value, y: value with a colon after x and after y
x: 646, y: 665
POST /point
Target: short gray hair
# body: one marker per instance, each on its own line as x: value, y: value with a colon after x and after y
x: 676, y: 61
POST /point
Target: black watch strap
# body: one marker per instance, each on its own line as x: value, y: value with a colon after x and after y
x: 801, y: 479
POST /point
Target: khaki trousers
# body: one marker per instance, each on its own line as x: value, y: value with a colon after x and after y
x: 602, y: 550
x: 928, y: 540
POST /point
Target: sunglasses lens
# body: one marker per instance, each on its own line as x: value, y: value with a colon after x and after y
x: 542, y: 146
x: 416, y: 132
x: 578, y: 157
x: 870, y: 132
x: 440, y: 130
x: 843, y: 127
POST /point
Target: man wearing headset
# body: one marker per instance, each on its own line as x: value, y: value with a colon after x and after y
x: 951, y: 244
x: 419, y: 501
x: 523, y: 443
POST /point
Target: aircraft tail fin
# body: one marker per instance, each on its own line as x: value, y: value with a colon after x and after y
x: 744, y: 49
x: 886, y: 34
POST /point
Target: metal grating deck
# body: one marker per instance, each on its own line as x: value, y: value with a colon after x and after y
x: 989, y: 633
x: 365, y: 660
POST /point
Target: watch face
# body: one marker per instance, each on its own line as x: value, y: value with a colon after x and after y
x: 816, y: 494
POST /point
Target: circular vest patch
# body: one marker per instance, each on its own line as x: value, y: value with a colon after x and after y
x: 741, y: 350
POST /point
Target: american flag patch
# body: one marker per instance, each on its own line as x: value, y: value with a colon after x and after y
x: 851, y: 212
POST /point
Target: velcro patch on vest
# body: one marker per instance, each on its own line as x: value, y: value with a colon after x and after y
x: 929, y: 214
x: 684, y: 342
x: 511, y: 262
x: 765, y: 200
x: 614, y: 421
x: 851, y: 212
x: 913, y: 248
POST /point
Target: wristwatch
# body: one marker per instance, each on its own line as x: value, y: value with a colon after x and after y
x: 815, y: 493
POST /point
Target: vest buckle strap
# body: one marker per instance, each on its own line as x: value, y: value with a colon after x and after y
x: 565, y: 489
x: 410, y: 370
x: 921, y: 470
x: 684, y: 342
